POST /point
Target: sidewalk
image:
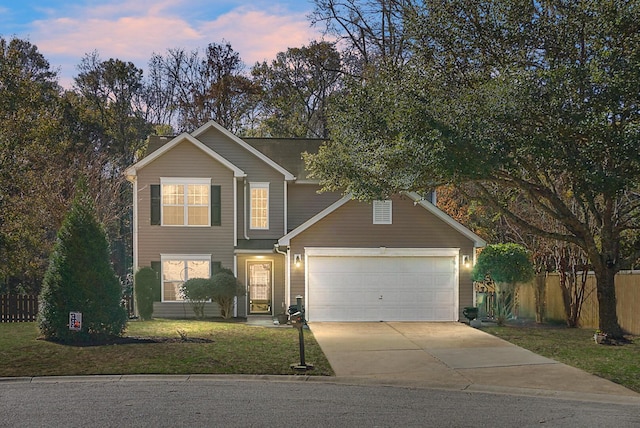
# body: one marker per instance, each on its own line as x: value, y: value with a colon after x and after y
x: 453, y: 356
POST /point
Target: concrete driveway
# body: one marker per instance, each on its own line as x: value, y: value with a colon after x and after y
x: 453, y: 356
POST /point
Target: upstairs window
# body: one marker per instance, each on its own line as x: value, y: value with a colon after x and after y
x: 259, y: 205
x: 382, y: 212
x: 186, y: 202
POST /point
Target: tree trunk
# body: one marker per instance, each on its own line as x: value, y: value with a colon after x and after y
x: 607, y: 310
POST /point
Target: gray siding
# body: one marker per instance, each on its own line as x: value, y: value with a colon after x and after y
x: 257, y: 171
x: 304, y: 202
x: 182, y: 310
x: 413, y: 227
x: 185, y: 160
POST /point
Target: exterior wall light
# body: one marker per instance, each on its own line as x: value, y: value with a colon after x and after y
x: 297, y: 259
x: 466, y: 261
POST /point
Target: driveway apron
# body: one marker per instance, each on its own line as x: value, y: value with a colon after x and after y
x: 450, y: 355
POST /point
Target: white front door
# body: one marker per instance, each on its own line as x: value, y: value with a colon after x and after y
x: 259, y: 290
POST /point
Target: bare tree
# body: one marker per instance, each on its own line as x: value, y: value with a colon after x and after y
x: 372, y: 31
x: 186, y: 89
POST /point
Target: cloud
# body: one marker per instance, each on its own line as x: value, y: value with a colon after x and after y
x: 133, y: 30
x: 259, y: 35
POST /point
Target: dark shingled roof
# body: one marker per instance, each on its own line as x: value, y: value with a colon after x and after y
x: 286, y: 152
x: 256, y: 244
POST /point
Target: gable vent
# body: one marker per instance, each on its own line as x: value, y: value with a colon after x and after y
x: 382, y: 211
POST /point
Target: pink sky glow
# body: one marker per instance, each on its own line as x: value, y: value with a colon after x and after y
x: 132, y: 30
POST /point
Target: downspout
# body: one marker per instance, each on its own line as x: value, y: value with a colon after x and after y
x: 244, y: 202
x: 286, y: 206
x: 287, y: 278
x: 235, y: 272
x: 134, y: 267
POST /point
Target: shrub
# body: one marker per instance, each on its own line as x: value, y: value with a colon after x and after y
x: 144, y: 282
x: 225, y: 287
x: 506, y: 265
x: 80, y: 278
x: 503, y: 263
x: 197, y: 291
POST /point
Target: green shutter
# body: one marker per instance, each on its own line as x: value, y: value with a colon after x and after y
x: 216, y: 214
x: 215, y: 267
x: 155, y: 203
x: 157, y: 290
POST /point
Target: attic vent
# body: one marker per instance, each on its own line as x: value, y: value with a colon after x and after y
x: 382, y: 212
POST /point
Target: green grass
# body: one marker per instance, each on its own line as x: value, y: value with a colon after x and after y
x: 576, y: 347
x: 235, y: 348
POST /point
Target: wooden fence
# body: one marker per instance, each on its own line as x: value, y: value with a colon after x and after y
x: 18, y: 307
x: 627, y: 296
x: 24, y: 307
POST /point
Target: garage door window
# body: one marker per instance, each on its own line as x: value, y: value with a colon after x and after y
x: 382, y: 212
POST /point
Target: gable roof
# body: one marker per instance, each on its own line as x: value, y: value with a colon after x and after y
x: 159, y: 151
x: 213, y: 124
x: 287, y: 152
x: 417, y: 199
x: 283, y: 154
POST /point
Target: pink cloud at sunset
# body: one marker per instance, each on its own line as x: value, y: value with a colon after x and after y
x: 132, y: 30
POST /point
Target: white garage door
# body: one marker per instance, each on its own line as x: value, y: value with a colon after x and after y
x: 382, y: 288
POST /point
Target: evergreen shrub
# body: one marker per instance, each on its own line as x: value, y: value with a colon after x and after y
x: 144, y: 282
x: 80, y: 278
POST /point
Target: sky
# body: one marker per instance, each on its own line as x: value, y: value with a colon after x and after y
x: 133, y: 30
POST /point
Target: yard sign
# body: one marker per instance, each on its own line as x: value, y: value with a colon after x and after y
x: 75, y: 321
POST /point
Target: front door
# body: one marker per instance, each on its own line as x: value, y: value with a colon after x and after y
x: 259, y: 287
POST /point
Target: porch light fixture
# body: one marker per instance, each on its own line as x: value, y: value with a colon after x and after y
x: 297, y: 259
x: 466, y: 261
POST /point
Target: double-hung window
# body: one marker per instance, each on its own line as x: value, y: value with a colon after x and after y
x: 259, y: 205
x: 186, y: 201
x: 176, y: 269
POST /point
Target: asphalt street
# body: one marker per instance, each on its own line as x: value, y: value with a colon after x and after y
x: 291, y: 401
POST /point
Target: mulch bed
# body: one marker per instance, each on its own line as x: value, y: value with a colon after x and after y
x: 127, y: 340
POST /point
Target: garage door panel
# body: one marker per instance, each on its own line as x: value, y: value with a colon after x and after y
x: 381, y: 288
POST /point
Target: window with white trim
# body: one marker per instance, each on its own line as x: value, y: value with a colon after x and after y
x: 186, y: 201
x: 382, y: 212
x: 177, y: 269
x: 259, y: 194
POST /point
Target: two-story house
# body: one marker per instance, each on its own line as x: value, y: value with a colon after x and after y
x: 209, y: 198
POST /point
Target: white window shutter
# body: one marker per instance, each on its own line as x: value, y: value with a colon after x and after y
x: 382, y: 212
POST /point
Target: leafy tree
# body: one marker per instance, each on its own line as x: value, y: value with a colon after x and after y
x: 34, y: 154
x: 296, y: 88
x: 145, y: 281
x: 524, y: 101
x: 80, y: 279
x: 111, y: 116
x: 112, y: 93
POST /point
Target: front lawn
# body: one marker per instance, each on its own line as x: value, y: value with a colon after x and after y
x: 180, y: 347
x: 576, y: 347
